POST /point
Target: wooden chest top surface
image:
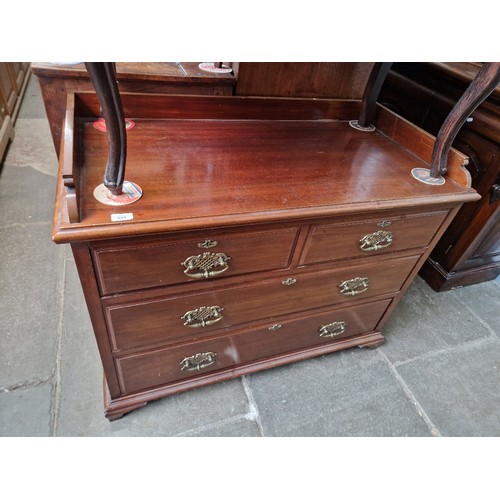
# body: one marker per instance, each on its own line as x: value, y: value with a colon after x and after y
x: 201, y: 173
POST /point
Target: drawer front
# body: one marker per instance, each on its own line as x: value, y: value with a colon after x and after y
x: 340, y: 241
x: 163, y: 319
x: 142, y: 371
x: 165, y: 262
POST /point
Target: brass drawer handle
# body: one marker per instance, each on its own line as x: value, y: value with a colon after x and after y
x: 376, y: 241
x: 206, y: 264
x: 332, y: 329
x: 289, y: 281
x: 354, y: 286
x: 198, y: 361
x: 203, y: 316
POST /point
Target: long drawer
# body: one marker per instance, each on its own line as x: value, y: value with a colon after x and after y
x: 330, y: 242
x: 135, y: 322
x: 142, y: 371
x: 135, y: 266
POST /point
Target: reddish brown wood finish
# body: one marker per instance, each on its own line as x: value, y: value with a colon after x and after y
x: 116, y: 408
x: 136, y: 321
x: 163, y: 366
x: 71, y: 186
x: 156, y: 107
x: 140, y: 72
x: 421, y: 144
x: 158, y: 262
x: 58, y: 80
x: 212, y: 169
x: 85, y: 269
x: 306, y: 79
x: 199, y: 172
x: 421, y: 261
x: 333, y: 242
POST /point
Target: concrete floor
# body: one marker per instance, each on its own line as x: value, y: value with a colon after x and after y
x: 436, y: 375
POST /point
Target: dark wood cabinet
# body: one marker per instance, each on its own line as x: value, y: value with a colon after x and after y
x: 424, y: 93
x: 346, y: 80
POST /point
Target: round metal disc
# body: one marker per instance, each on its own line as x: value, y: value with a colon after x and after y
x: 131, y: 193
x: 211, y: 68
x: 101, y: 124
x: 357, y: 126
x: 424, y: 175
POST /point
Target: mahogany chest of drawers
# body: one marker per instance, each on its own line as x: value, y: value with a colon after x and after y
x: 288, y: 293
x: 269, y: 231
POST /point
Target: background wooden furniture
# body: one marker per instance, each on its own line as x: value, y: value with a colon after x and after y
x: 269, y: 230
x: 13, y: 81
x: 424, y: 93
x: 333, y: 80
x: 57, y: 80
x: 305, y: 79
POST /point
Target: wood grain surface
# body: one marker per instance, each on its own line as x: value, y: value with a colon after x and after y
x: 199, y: 173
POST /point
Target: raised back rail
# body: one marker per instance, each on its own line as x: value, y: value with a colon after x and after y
x: 103, y: 78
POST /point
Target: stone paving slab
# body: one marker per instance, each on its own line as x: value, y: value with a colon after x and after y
x: 26, y: 412
x: 32, y: 105
x: 459, y: 389
x: 483, y: 300
x: 425, y: 321
x: 32, y: 146
x: 241, y: 427
x: 30, y: 275
x: 349, y: 393
x: 26, y: 196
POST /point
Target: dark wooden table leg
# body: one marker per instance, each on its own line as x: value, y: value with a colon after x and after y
x: 103, y: 77
x: 370, y: 96
x: 372, y: 91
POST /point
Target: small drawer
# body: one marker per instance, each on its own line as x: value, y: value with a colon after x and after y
x: 377, y: 236
x: 139, y: 265
x: 136, y: 322
x: 142, y: 371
